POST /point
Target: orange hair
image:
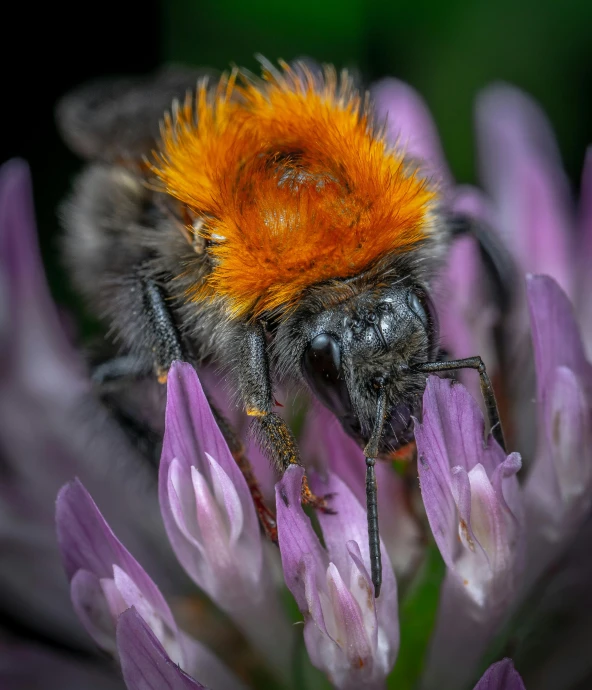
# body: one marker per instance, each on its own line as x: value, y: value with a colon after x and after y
x: 292, y: 183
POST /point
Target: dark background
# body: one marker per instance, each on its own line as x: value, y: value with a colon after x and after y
x: 447, y: 50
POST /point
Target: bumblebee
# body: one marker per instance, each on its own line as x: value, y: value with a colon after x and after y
x: 267, y: 225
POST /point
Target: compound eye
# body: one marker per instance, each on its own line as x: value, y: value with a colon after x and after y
x: 422, y: 306
x: 415, y: 304
x: 321, y: 367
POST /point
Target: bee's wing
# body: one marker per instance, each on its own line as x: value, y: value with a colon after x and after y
x: 118, y: 119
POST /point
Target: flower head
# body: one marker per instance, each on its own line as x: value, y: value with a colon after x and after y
x: 558, y: 490
x: 349, y: 634
x: 207, y: 507
x: 209, y: 515
x: 471, y: 494
x: 106, y: 581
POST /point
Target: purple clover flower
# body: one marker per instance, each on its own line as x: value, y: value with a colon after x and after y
x: 349, y: 634
x: 330, y: 450
x: 474, y: 506
x: 505, y: 534
x: 106, y: 581
x: 210, y: 519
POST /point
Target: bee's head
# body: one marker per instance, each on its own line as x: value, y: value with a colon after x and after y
x: 370, y: 342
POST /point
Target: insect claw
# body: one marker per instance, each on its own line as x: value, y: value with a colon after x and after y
x: 317, y: 502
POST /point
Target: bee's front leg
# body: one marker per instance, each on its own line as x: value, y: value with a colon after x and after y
x: 159, y: 336
x: 272, y: 433
x: 166, y: 342
x: 163, y: 339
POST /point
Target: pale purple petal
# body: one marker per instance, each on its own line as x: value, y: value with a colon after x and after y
x: 215, y: 539
x: 350, y: 524
x: 144, y: 663
x: 220, y: 391
x: 555, y: 333
x: 461, y: 635
x: 299, y: 546
x: 522, y: 171
x: 568, y: 417
x: 88, y: 543
x: 93, y: 610
x: 509, y: 120
x: 474, y: 507
x: 558, y: 488
x: 116, y: 600
x: 360, y: 585
x: 326, y: 446
x: 264, y: 470
x: 211, y: 521
x: 99, y: 597
x: 501, y: 676
x: 125, y: 593
x: 466, y: 312
x: 227, y: 496
x: 409, y: 126
x: 348, y: 634
x: 471, y: 564
x: 348, y: 620
x: 323, y: 652
x: 447, y: 409
x: 450, y: 409
x: 460, y: 474
x: 53, y: 428
x: 86, y: 540
x: 181, y: 504
x: 191, y: 430
x: 192, y: 434
x: 582, y: 300
x: 27, y: 295
x: 482, y: 505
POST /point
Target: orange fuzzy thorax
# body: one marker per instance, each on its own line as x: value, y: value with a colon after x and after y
x: 292, y: 184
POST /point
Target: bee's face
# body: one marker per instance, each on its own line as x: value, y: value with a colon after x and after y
x: 369, y: 342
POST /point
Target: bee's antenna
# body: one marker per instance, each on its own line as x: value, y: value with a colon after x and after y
x: 371, y: 452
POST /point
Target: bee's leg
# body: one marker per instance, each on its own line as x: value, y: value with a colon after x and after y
x: 505, y: 282
x: 162, y: 338
x: 486, y: 389
x: 125, y: 366
x: 168, y: 347
x: 496, y: 258
x: 166, y: 342
x: 270, y: 430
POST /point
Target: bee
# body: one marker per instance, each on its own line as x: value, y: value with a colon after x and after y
x: 265, y: 224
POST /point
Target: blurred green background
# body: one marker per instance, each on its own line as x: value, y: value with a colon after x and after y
x: 446, y: 50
